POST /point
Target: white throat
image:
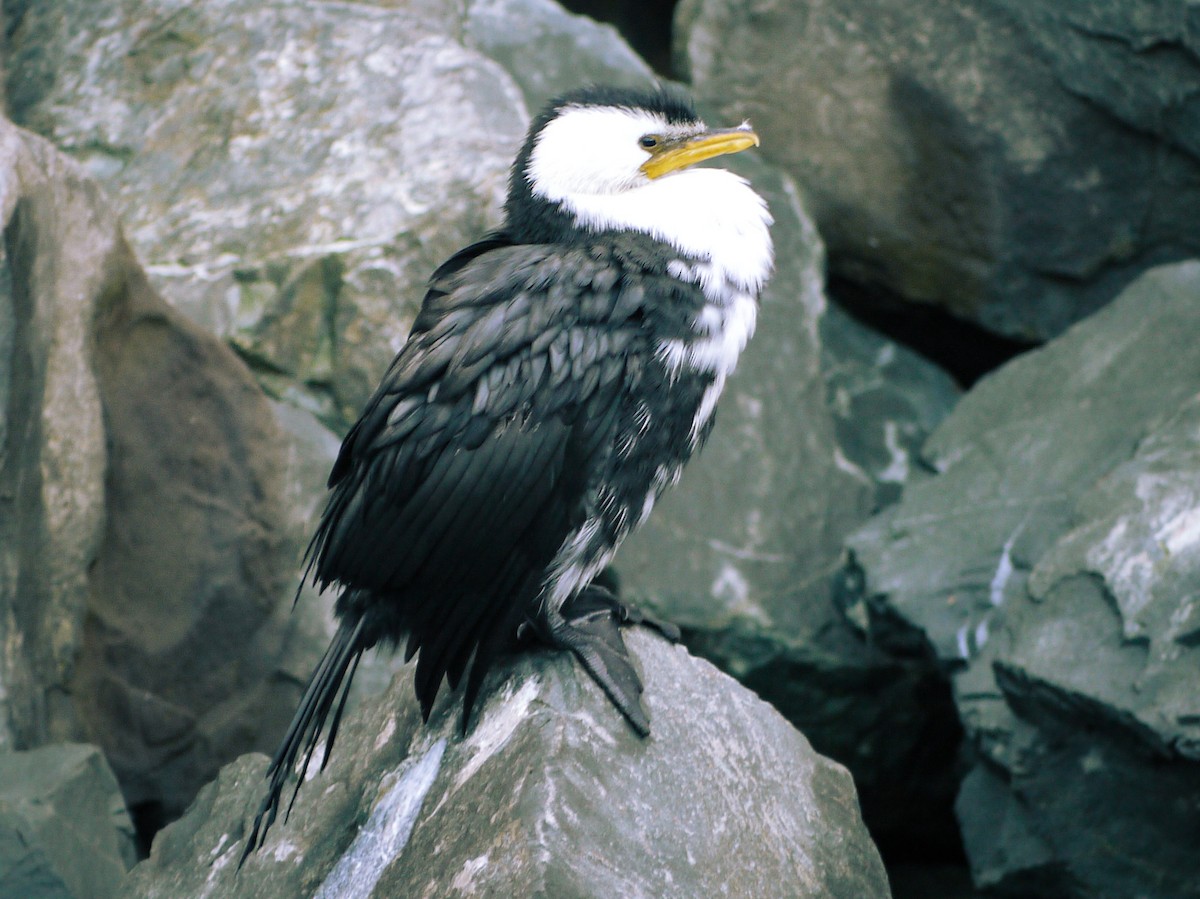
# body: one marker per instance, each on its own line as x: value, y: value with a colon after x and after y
x: 710, y: 215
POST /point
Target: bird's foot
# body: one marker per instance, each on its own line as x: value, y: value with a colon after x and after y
x: 598, y: 600
x: 589, y: 625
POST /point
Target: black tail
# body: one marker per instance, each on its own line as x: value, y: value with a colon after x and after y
x: 335, y: 671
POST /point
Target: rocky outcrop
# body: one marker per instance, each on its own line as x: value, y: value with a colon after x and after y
x: 549, y: 793
x: 64, y: 831
x: 1053, y: 558
x: 143, y: 553
x: 292, y: 171
x: 1015, y: 163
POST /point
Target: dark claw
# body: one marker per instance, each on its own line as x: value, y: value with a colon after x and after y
x: 629, y: 614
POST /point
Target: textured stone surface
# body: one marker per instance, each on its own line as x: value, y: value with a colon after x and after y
x: 548, y: 794
x: 569, y: 50
x: 142, y: 539
x: 64, y: 831
x: 1054, y: 558
x: 1015, y: 162
x: 290, y: 172
x: 884, y: 399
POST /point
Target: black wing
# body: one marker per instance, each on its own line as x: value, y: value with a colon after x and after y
x: 470, y: 465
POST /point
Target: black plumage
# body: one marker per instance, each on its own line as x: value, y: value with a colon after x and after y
x: 514, y: 441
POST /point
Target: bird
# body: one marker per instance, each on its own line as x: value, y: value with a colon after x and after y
x: 559, y: 374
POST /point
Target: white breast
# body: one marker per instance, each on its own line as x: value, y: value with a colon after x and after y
x: 721, y: 228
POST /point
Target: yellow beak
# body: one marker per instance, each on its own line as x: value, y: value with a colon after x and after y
x: 677, y: 154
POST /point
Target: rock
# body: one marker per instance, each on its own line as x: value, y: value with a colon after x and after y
x: 566, y: 50
x: 548, y: 794
x: 324, y: 195
x: 1015, y: 163
x: 142, y: 541
x: 283, y: 168
x: 884, y: 399
x: 64, y: 831
x: 1054, y: 558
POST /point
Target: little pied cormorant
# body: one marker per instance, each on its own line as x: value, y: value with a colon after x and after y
x: 560, y: 373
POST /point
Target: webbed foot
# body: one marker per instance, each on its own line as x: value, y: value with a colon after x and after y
x: 589, y: 625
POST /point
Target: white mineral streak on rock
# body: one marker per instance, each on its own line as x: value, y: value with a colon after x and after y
x: 497, y: 727
x: 386, y: 832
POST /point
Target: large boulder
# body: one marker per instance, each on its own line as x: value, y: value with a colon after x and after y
x: 143, y: 553
x: 549, y: 793
x: 64, y: 831
x: 546, y: 50
x: 1016, y: 163
x: 1053, y: 559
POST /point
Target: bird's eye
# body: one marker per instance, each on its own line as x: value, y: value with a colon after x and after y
x: 649, y: 142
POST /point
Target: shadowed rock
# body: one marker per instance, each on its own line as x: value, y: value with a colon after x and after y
x: 142, y: 548
x: 1016, y: 163
x: 1054, y: 559
x: 64, y: 831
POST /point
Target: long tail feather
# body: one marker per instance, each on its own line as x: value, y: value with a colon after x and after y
x: 336, y: 667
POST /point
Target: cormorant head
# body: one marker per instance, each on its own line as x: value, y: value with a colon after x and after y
x: 593, y: 147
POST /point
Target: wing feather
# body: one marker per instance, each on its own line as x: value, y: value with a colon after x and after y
x: 469, y: 467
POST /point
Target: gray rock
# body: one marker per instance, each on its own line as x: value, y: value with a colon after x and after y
x: 1007, y: 855
x: 290, y: 172
x: 345, y: 151
x: 548, y: 794
x: 547, y: 50
x: 1016, y: 163
x: 1019, y: 451
x: 143, y: 544
x: 1055, y: 556
x: 885, y: 401
x: 64, y: 831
